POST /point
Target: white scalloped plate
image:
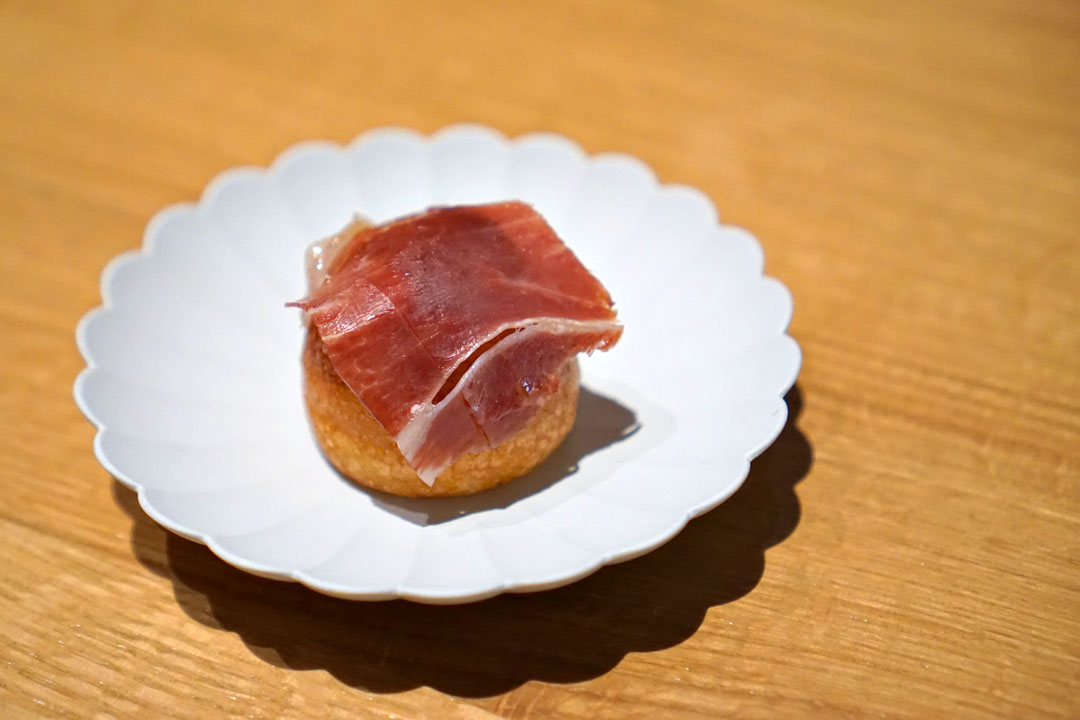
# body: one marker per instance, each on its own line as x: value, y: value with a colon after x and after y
x: 193, y: 376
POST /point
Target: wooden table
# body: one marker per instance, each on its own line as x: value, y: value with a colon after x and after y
x: 910, y: 547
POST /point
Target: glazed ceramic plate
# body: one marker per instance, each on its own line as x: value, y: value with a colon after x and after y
x: 193, y: 376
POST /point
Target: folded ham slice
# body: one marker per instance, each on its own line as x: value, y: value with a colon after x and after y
x: 452, y: 326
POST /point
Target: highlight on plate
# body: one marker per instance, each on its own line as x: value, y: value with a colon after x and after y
x: 441, y: 352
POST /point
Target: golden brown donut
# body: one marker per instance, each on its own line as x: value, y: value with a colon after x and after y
x: 358, y: 446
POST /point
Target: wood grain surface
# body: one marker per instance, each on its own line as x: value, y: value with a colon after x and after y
x: 909, y: 548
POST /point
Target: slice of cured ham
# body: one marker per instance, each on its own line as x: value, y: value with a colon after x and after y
x: 452, y: 326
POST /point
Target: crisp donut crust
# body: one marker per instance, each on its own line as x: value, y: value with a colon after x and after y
x: 358, y: 446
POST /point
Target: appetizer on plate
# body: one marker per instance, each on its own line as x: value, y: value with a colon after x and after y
x: 441, y: 351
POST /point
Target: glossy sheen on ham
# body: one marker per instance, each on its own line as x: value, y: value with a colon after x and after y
x: 452, y: 326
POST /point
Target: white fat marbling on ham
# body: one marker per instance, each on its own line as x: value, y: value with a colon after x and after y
x: 320, y: 255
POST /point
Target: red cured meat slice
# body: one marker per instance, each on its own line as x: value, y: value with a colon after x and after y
x: 408, y: 305
x: 503, y: 389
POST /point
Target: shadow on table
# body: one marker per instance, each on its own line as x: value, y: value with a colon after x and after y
x: 571, y: 634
